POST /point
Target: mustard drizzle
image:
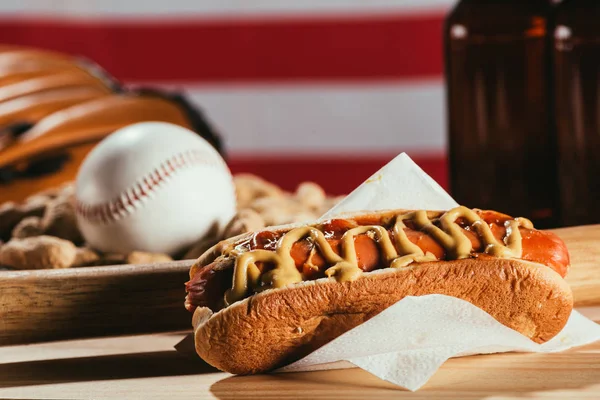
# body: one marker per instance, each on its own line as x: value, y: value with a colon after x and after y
x: 398, y: 252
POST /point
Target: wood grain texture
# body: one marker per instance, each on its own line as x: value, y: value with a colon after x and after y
x: 82, y: 302
x: 97, y: 301
x: 147, y: 367
x: 583, y: 243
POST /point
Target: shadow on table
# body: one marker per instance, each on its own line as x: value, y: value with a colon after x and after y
x: 464, y: 379
x: 121, y: 366
x: 347, y: 383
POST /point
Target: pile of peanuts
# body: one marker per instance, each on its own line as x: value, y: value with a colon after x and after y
x: 42, y: 232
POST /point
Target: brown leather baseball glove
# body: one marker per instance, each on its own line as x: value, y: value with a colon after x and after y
x: 55, y: 108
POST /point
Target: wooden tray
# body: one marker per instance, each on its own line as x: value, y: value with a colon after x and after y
x: 47, y: 305
x: 584, y: 277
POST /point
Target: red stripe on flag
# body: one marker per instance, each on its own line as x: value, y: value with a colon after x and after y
x: 337, y: 175
x: 275, y: 49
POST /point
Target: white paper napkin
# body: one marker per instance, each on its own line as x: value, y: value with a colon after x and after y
x: 399, y: 184
x: 406, y: 343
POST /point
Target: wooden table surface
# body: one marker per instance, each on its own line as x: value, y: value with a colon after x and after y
x: 148, y: 367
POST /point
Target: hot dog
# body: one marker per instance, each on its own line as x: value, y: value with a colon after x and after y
x: 265, y: 299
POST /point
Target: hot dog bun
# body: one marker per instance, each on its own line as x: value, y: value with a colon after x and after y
x: 270, y: 328
x: 279, y: 326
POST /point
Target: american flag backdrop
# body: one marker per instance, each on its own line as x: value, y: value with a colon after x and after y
x: 323, y: 90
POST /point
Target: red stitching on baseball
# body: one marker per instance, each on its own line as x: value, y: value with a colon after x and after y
x: 145, y: 186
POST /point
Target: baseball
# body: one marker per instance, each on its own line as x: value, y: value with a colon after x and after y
x: 152, y: 186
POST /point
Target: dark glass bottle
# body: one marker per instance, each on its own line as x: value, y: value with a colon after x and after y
x: 501, y: 134
x: 577, y: 83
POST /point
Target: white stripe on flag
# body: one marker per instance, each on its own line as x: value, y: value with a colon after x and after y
x: 374, y: 117
x: 191, y: 8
